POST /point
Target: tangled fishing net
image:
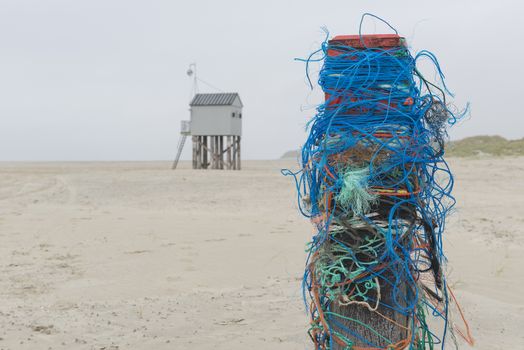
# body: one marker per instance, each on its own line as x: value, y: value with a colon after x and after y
x: 375, y: 185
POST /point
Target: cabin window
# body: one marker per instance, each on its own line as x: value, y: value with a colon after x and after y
x: 240, y: 115
x: 233, y: 114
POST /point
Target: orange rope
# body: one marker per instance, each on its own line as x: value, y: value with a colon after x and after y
x: 468, y: 337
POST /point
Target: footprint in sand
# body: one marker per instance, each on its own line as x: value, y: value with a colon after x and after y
x: 137, y: 252
x: 215, y: 240
x: 44, y: 329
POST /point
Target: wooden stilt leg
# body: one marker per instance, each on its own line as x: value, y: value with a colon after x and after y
x: 199, y: 152
x: 234, y: 153
x: 213, y: 151
x: 204, y: 152
x: 239, y: 166
x: 216, y: 153
x: 228, y: 145
x: 221, y: 152
x: 193, y: 138
x: 235, y: 142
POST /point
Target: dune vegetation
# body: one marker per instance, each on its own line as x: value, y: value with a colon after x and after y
x: 468, y: 147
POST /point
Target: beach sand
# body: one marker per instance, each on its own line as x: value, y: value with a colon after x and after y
x: 136, y: 256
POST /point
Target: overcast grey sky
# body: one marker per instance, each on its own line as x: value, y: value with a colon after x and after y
x: 106, y: 79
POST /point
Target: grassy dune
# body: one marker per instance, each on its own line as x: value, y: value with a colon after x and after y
x: 485, y: 145
x: 469, y: 147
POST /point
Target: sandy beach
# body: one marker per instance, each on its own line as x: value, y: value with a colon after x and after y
x: 136, y: 256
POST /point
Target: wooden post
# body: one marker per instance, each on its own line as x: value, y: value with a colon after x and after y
x: 234, y: 153
x: 199, y: 153
x: 213, y: 151
x: 239, y: 166
x: 216, y: 152
x: 221, y: 138
x: 194, y: 139
x: 390, y: 324
x: 196, y: 151
x: 204, y: 152
x: 210, y: 152
x: 228, y: 145
x: 224, y: 152
x: 372, y: 320
x: 219, y: 152
x: 199, y: 165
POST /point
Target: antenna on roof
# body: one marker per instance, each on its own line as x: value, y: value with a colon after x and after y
x: 192, y: 72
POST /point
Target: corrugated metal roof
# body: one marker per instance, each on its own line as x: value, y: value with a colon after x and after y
x: 221, y: 99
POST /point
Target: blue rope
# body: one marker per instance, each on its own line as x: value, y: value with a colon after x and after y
x: 380, y: 114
